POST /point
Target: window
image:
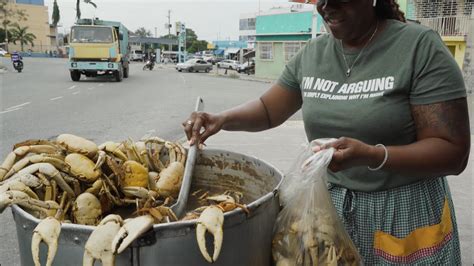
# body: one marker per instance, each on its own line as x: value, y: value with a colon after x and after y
x: 266, y: 50
x: 291, y: 49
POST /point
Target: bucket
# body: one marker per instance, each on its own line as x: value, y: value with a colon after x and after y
x: 247, y: 238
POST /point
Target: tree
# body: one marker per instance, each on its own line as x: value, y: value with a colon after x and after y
x: 78, y: 7
x: 142, y: 32
x: 7, y: 14
x: 197, y: 46
x: 22, y: 35
x: 56, y: 16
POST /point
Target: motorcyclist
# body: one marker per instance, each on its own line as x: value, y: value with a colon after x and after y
x: 17, y: 61
x: 16, y: 57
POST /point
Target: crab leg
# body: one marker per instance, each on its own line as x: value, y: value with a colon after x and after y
x: 19, y: 152
x: 49, y: 170
x: 212, y: 220
x: 131, y: 230
x: 99, y: 244
x: 48, y: 231
x: 37, y: 158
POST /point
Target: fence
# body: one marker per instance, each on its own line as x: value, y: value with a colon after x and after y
x: 449, y: 25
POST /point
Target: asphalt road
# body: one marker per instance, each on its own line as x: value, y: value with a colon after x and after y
x: 42, y: 102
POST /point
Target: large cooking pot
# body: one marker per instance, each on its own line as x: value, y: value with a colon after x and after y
x: 247, y: 238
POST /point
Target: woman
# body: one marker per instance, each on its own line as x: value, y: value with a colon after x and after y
x: 394, y: 97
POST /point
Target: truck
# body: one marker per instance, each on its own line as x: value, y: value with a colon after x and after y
x: 98, y: 47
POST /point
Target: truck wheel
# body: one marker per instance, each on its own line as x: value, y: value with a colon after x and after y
x: 119, y: 74
x: 125, y: 72
x: 75, y: 75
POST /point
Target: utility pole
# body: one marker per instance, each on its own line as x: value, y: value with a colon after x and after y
x: 169, y: 29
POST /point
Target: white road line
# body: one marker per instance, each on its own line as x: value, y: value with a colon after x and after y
x: 76, y: 92
x: 72, y: 87
x: 101, y: 84
x: 56, y: 98
x: 7, y: 111
x: 20, y: 105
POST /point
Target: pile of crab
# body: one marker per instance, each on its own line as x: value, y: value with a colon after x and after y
x: 73, y: 180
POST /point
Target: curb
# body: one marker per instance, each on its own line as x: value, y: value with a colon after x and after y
x: 241, y: 78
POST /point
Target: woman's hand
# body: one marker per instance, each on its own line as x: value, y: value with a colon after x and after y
x: 200, y: 125
x: 351, y: 152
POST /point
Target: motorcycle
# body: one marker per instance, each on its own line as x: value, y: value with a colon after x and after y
x: 18, y: 65
x: 150, y: 64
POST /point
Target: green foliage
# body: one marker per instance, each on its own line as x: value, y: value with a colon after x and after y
x: 56, y: 16
x: 142, y: 32
x: 21, y: 34
x: 78, y: 7
x: 2, y: 35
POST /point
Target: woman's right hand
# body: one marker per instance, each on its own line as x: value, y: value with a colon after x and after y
x: 201, y: 125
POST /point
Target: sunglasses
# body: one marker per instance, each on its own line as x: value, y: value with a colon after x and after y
x: 320, y: 3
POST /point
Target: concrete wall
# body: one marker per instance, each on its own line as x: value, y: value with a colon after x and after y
x: 270, y: 69
x: 38, y: 24
x: 468, y: 69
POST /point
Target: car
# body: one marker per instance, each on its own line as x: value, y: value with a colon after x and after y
x: 3, y: 52
x: 228, y: 64
x: 247, y: 67
x: 194, y: 65
x: 136, y: 55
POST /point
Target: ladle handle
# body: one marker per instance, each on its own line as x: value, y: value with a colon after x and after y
x: 178, y: 208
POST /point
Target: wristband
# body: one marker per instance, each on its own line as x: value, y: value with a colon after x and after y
x: 384, y: 159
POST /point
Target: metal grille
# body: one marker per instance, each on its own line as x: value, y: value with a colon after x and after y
x: 447, y: 17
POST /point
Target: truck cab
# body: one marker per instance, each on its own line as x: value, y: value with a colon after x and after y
x: 98, y: 48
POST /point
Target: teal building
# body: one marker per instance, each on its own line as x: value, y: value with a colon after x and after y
x: 279, y: 37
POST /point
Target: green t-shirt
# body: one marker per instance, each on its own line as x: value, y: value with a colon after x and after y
x: 407, y: 64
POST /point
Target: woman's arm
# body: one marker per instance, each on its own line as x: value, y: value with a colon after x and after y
x: 442, y: 146
x: 270, y: 110
x: 443, y: 141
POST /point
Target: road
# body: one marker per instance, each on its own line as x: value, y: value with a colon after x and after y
x: 42, y: 102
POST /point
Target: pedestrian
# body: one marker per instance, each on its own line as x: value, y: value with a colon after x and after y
x: 394, y: 97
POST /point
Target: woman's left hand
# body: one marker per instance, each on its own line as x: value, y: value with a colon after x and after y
x: 351, y: 152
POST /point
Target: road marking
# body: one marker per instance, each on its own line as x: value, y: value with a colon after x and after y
x: 72, y: 87
x: 56, y: 98
x: 91, y: 88
x: 184, y: 80
x: 7, y: 111
x: 101, y: 84
x: 20, y: 105
x: 76, y: 92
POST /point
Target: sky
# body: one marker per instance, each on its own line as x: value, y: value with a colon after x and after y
x: 211, y: 20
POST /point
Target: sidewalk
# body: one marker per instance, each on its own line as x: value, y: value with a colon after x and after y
x: 279, y: 147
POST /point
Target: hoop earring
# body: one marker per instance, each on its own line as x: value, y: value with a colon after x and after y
x: 375, y: 3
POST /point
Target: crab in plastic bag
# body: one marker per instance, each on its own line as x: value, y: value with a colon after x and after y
x: 308, y: 230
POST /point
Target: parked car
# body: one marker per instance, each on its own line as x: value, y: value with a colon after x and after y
x: 136, y: 55
x: 229, y: 64
x: 247, y: 67
x: 3, y: 52
x: 194, y: 65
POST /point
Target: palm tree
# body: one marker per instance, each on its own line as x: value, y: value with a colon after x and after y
x: 78, y: 8
x: 22, y: 35
x: 56, y: 16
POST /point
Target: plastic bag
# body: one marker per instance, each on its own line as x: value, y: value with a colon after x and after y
x: 308, y: 230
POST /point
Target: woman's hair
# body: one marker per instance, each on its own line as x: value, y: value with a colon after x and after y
x: 389, y: 9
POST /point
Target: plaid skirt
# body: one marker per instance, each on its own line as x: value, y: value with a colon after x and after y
x: 414, y: 224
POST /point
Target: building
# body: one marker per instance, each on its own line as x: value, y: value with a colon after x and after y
x: 280, y: 34
x: 37, y: 23
x: 247, y: 29
x: 228, y: 49
x: 450, y: 18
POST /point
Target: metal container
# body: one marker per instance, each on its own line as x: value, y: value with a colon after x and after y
x: 247, y: 238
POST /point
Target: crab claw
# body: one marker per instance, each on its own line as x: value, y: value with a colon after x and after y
x: 99, y: 244
x: 47, y: 230
x: 211, y: 219
x: 131, y: 230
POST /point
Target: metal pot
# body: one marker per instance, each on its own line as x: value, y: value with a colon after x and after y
x: 247, y: 238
